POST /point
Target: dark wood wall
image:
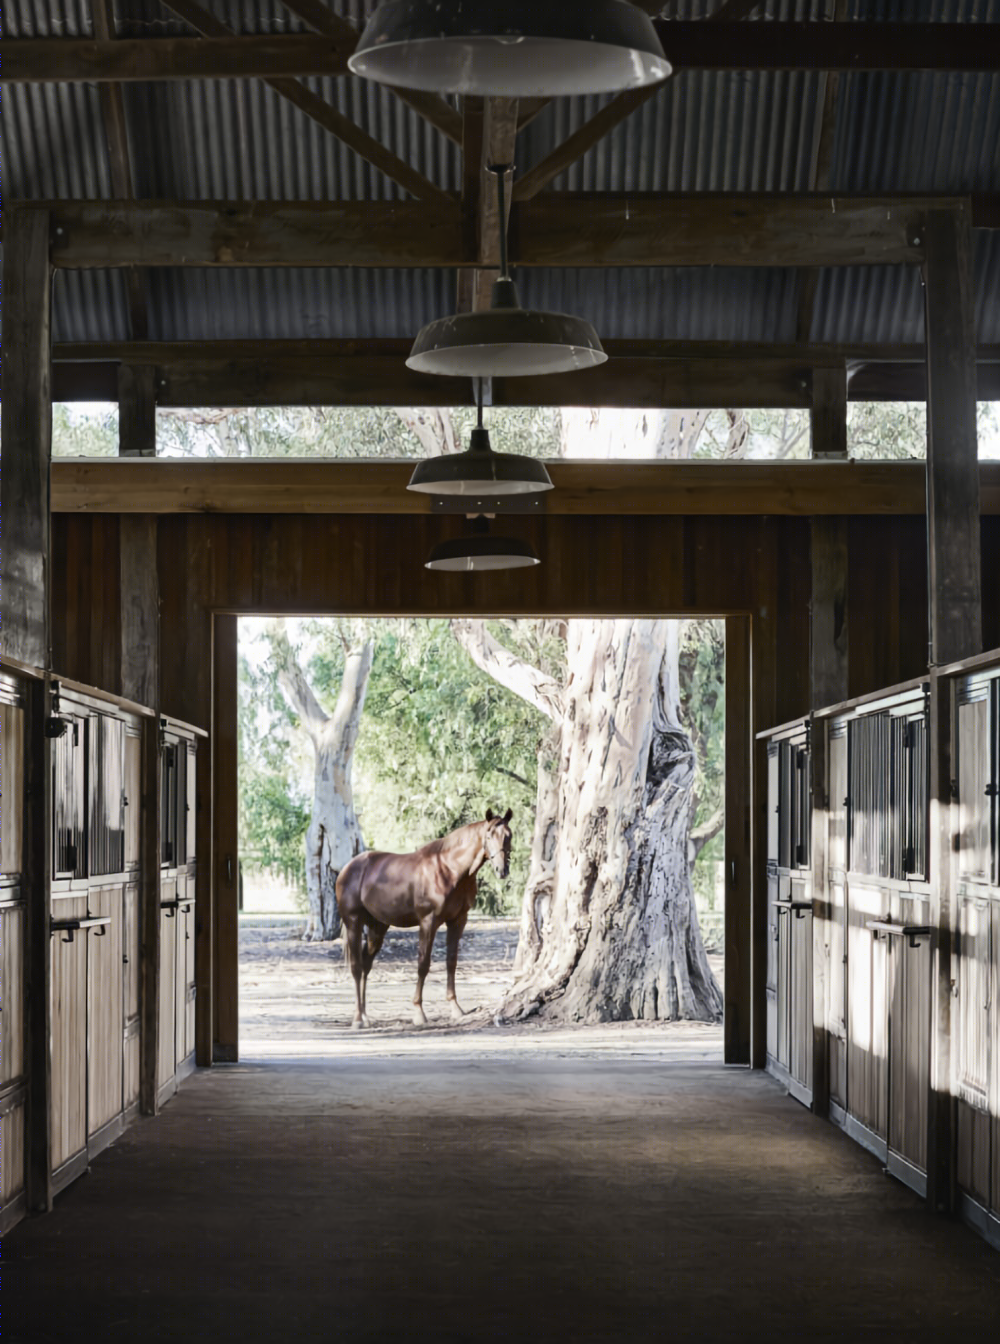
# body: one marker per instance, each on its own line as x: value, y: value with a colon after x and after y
x: 609, y: 565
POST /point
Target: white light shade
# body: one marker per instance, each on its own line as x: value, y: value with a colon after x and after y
x: 505, y: 341
x: 518, y: 49
x: 479, y: 470
x: 481, y: 551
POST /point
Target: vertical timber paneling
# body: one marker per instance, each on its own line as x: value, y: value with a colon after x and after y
x: 763, y: 681
x: 226, y: 848
x: 736, y: 1027
x: 36, y: 883
x: 27, y: 436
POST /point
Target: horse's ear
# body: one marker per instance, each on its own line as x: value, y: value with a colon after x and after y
x: 489, y: 814
x: 509, y: 814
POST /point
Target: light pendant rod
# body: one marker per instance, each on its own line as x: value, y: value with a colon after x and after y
x: 501, y: 170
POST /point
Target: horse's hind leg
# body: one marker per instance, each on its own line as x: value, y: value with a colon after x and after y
x: 427, y: 932
x: 355, y: 931
x: 374, y: 935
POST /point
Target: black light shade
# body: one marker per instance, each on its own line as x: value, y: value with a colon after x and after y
x: 511, y: 48
x: 480, y: 469
x: 481, y: 550
x: 505, y: 341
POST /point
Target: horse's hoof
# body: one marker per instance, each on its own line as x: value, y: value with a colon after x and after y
x: 366, y: 1021
x: 456, y: 1011
x: 357, y: 1024
x: 419, y: 1017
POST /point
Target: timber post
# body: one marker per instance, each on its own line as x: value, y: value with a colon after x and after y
x: 828, y: 684
x: 955, y: 612
x: 26, y: 625
x: 140, y: 663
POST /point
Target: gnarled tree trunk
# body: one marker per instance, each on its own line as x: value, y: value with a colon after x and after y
x: 334, y: 834
x: 609, y: 928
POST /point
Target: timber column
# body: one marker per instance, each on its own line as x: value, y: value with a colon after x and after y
x: 828, y: 685
x: 140, y: 663
x: 955, y: 611
x: 26, y: 625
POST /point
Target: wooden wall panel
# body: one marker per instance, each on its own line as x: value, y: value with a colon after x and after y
x: 86, y: 611
x: 12, y: 786
x: 104, y: 1010
x: 133, y: 796
x: 11, y: 1153
x: 69, y: 1036
x: 168, y: 987
x: 12, y: 934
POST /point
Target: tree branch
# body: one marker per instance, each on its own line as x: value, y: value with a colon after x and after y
x: 701, y: 835
x: 539, y: 689
x: 433, y: 427
x: 298, y: 692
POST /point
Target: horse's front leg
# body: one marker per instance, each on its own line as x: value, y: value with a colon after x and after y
x: 427, y: 932
x: 355, y: 933
x: 455, y: 930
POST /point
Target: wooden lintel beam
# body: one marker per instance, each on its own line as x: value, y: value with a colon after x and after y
x: 564, y: 229
x: 689, y: 45
x: 800, y: 489
x: 328, y: 373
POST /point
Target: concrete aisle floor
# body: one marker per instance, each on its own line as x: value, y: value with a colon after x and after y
x: 515, y: 1195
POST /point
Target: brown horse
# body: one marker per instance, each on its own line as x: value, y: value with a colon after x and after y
x: 434, y: 886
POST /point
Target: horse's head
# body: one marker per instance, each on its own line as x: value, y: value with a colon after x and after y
x: 496, y: 839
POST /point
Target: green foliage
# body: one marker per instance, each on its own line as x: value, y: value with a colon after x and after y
x: 85, y: 429
x: 274, y: 805
x: 440, y: 742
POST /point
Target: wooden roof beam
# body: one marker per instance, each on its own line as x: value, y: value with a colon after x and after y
x: 556, y: 229
x: 689, y: 45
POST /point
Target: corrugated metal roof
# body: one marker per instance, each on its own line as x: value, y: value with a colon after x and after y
x: 703, y: 131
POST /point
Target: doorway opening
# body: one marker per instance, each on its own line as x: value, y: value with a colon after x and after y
x: 605, y: 739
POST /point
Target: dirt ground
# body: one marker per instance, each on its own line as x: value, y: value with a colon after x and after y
x: 296, y: 999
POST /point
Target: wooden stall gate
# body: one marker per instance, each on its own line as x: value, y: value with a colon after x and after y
x: 176, y: 1040
x: 876, y: 896
x: 790, y: 911
x: 96, y: 754
x: 976, y: 951
x: 13, y: 930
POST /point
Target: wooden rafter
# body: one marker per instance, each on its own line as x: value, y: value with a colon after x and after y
x: 321, y: 112
x: 318, y: 15
x: 556, y: 229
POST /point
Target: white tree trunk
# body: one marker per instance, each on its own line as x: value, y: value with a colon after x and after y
x: 334, y: 834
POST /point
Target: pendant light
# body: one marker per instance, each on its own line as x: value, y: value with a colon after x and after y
x: 479, y: 469
x: 511, y: 48
x: 482, y: 550
x: 506, y: 340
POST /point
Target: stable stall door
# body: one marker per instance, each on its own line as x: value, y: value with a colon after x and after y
x: 68, y: 1100
x: 909, y: 971
x: 104, y: 1009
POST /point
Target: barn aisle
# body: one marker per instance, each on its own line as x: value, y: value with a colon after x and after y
x: 554, y: 1194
